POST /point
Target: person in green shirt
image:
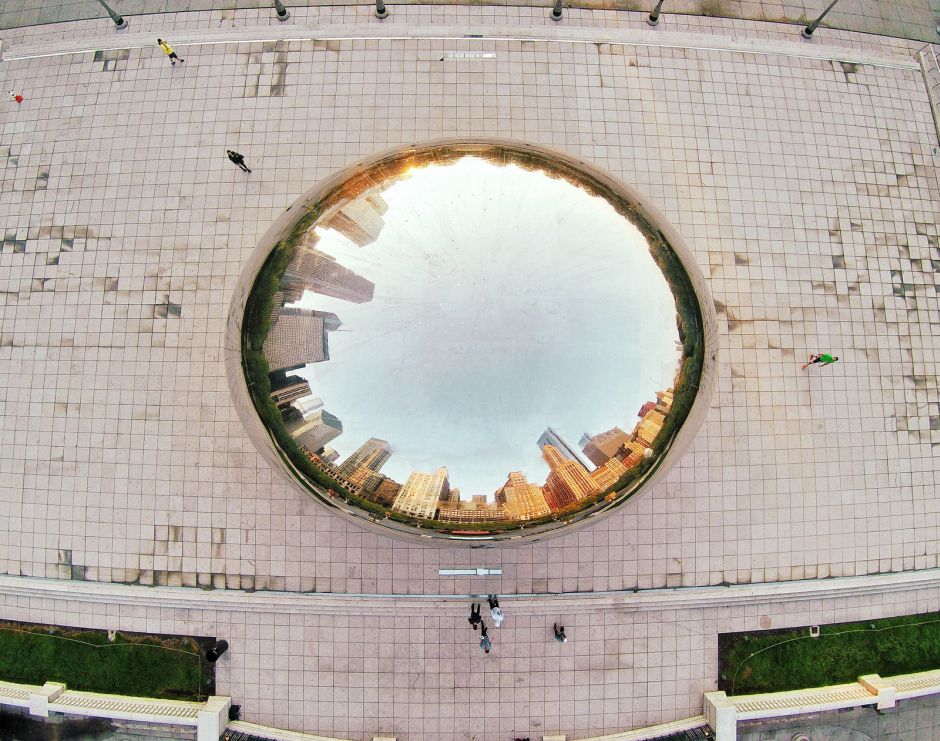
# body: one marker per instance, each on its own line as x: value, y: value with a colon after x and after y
x: 821, y: 359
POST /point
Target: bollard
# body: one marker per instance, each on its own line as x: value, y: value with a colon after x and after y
x: 282, y: 14
x: 213, y: 654
x: 807, y: 33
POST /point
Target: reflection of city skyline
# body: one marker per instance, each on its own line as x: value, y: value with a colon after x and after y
x: 299, y: 337
x: 431, y: 496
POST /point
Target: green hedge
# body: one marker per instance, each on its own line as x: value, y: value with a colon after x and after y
x: 145, y: 666
x: 774, y: 661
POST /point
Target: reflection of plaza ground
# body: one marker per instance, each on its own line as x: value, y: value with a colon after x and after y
x: 598, y: 294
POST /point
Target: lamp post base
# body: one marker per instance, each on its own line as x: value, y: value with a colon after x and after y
x: 652, y: 21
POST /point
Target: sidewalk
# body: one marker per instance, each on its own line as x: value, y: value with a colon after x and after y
x: 909, y: 19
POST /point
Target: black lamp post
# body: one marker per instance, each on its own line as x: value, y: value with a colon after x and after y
x: 380, y: 12
x: 282, y: 14
x: 807, y: 33
x: 556, y: 11
x: 653, y: 18
x: 118, y: 21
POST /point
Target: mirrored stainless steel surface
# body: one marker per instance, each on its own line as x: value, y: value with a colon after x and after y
x: 472, y: 341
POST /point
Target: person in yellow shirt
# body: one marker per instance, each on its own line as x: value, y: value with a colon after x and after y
x: 168, y: 50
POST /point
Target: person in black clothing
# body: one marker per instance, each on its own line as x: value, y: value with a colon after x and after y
x: 238, y: 159
x: 485, y: 642
x: 475, y: 618
x: 560, y: 634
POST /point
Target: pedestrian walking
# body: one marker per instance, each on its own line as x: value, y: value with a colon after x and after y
x: 485, y: 642
x: 560, y: 634
x: 495, y: 612
x: 238, y: 159
x: 475, y: 618
x: 820, y: 359
x: 168, y: 50
x: 16, y: 96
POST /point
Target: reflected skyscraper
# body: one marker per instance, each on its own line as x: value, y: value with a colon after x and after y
x: 386, y: 492
x: 282, y: 297
x: 372, y: 455
x: 366, y: 479
x: 315, y: 433
x: 568, y: 481
x: 292, y: 419
x: 285, y: 389
x: 521, y: 499
x: 308, y: 405
x: 602, y: 447
x: 607, y: 475
x: 298, y: 338
x: 317, y: 271
x: 664, y: 400
x: 329, y: 455
x: 422, y: 492
x: 551, y: 437
x: 652, y: 418
x: 649, y: 426
x: 633, y: 452
x: 471, y: 512
x: 360, y: 221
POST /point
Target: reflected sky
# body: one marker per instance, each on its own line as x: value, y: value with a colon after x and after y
x: 505, y: 302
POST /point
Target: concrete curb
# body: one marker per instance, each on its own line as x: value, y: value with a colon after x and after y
x: 522, y: 604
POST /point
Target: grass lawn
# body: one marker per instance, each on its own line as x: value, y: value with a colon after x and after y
x: 166, y: 667
x: 777, y: 660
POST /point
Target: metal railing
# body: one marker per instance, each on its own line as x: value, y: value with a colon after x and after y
x: 856, y: 15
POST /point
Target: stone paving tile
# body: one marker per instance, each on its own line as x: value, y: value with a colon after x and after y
x: 419, y: 674
x: 806, y: 189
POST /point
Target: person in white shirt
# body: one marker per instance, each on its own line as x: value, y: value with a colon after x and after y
x: 495, y: 612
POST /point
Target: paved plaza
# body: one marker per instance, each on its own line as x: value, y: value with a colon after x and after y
x: 802, y: 175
